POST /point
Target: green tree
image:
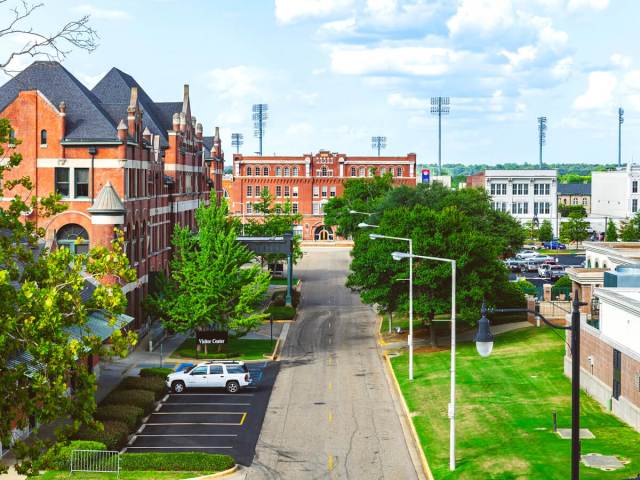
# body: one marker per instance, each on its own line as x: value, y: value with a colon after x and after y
x: 213, y: 283
x: 576, y: 229
x: 526, y: 287
x: 545, y: 233
x: 611, y: 234
x: 43, y: 318
x: 531, y: 231
x: 629, y: 232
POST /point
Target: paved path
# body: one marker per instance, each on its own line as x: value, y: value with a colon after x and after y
x: 331, y: 413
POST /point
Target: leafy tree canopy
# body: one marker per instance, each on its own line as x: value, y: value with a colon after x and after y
x: 545, y: 233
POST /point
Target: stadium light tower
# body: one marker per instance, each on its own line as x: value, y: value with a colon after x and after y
x: 237, y: 139
x: 620, y: 122
x: 542, y: 134
x: 260, y: 116
x: 439, y: 107
x: 378, y: 143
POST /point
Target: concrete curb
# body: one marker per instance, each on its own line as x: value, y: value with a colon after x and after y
x: 278, y: 347
x: 411, y: 437
x: 222, y: 474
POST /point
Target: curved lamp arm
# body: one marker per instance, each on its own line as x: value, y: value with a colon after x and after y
x: 533, y: 312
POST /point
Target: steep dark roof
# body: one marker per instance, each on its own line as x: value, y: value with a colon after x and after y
x: 574, y: 189
x: 166, y: 111
x: 114, y: 91
x: 208, y: 142
x: 86, y: 118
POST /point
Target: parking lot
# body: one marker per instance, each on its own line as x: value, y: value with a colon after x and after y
x: 569, y: 260
x: 210, y: 420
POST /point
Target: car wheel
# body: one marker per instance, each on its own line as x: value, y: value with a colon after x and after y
x: 233, y: 386
x: 178, y: 387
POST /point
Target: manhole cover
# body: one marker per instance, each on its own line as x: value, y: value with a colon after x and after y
x: 585, y: 434
x: 603, y: 462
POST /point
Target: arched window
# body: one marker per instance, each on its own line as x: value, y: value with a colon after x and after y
x: 383, y: 170
x: 361, y: 172
x: 295, y: 171
x: 43, y: 137
x: 257, y: 171
x: 278, y: 171
x: 248, y: 171
x: 324, y: 171
x: 575, y: 201
x: 265, y: 171
x: 399, y: 171
x: 286, y: 171
x: 73, y: 237
x: 353, y: 171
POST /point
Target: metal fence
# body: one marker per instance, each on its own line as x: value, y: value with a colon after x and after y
x: 102, y: 461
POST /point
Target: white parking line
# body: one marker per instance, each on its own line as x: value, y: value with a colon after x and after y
x: 212, y: 394
x: 172, y: 448
x: 205, y: 403
x: 197, y: 413
x: 194, y: 423
x: 190, y: 435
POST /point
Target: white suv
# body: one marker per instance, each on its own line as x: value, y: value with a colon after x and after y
x: 230, y: 375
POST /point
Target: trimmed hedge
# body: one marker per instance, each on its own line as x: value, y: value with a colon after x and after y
x: 176, y: 462
x: 155, y: 372
x: 138, y: 398
x: 128, y: 414
x: 152, y: 384
x: 281, y: 313
x: 278, y: 298
x: 58, y: 457
x: 114, y: 435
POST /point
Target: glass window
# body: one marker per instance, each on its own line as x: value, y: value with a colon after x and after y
x: 383, y: 170
x: 286, y: 171
x: 324, y: 171
x: 216, y: 370
x: 353, y: 171
x: 295, y: 191
x: 294, y: 207
x: 584, y: 201
x: 199, y: 371
x: 265, y: 171
x: 361, y: 172
x: 248, y: 171
x: 43, y: 137
x: 249, y: 207
x: 249, y: 191
x: 634, y: 205
x: 73, y: 237
x: 316, y: 191
x: 399, y: 171
x: 278, y: 190
x: 257, y: 171
x: 634, y: 186
x: 286, y: 190
x: 333, y: 191
x: 81, y: 182
x: 324, y: 191
x: 295, y: 171
x: 316, y: 208
x: 278, y: 171
x: 62, y: 181
x: 237, y: 369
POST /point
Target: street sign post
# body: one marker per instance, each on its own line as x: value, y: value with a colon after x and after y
x: 426, y: 175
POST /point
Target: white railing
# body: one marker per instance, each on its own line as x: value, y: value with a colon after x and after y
x: 102, y: 461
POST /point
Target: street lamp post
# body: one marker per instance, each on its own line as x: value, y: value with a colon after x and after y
x: 452, y: 401
x: 484, y: 345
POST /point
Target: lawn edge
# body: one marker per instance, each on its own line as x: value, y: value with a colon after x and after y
x: 413, y: 434
x: 221, y: 474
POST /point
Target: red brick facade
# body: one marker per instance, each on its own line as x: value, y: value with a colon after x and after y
x: 308, y: 181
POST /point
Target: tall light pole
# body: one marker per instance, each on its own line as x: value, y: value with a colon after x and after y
x: 237, y: 139
x: 452, y: 400
x: 620, y: 122
x: 378, y: 143
x: 439, y: 107
x: 542, y: 134
x: 260, y: 115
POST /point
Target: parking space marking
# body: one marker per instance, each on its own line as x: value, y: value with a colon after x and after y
x: 212, y: 394
x: 175, y: 448
x: 199, y: 413
x: 206, y: 403
x: 191, y: 435
x: 196, y: 423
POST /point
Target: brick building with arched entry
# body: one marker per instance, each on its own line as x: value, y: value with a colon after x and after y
x: 117, y: 158
x: 308, y: 181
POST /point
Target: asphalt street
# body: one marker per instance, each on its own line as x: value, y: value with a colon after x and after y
x: 566, y: 260
x: 210, y: 420
x: 331, y: 413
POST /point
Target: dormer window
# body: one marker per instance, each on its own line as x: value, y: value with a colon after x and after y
x: 12, y: 137
x: 43, y: 138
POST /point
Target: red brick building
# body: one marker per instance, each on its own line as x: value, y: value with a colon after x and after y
x: 119, y: 160
x: 309, y: 181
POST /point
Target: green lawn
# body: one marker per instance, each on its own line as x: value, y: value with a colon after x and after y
x: 543, y: 251
x: 283, y: 281
x: 236, y: 348
x: 504, y: 412
x: 123, y: 475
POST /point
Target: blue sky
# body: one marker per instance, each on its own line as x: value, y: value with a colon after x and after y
x: 336, y: 72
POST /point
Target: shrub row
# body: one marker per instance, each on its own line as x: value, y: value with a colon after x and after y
x: 138, y: 398
x: 114, y: 435
x: 152, y: 384
x: 128, y: 414
x: 155, y: 372
x: 278, y: 298
x: 176, y: 462
x: 281, y: 313
x: 58, y: 457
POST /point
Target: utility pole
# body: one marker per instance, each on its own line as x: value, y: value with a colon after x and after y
x: 260, y: 115
x: 439, y: 107
x: 378, y: 143
x: 620, y: 122
x: 542, y: 134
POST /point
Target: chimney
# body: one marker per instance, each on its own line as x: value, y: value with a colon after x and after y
x: 132, y: 111
x: 147, y: 135
x: 217, y: 144
x: 183, y: 121
x: 63, y: 114
x: 199, y: 131
x: 176, y: 122
x: 122, y: 131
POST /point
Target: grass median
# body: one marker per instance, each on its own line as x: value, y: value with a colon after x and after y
x: 504, y: 412
x: 53, y: 475
x: 235, y: 348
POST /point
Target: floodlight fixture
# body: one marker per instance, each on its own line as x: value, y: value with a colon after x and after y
x: 542, y: 135
x: 237, y: 140
x: 439, y: 107
x: 378, y: 143
x: 260, y: 116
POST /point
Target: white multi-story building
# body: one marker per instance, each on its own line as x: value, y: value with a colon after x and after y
x: 616, y: 194
x: 525, y: 194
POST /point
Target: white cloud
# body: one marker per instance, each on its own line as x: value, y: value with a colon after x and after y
x: 347, y: 25
x: 482, y: 16
x: 563, y: 68
x: 288, y: 11
x: 599, y: 92
x: 405, y: 102
x: 102, y: 13
x: 238, y: 81
x: 620, y: 60
x: 524, y: 54
x: 300, y: 97
x: 382, y: 7
x: 90, y: 81
x: 593, y: 4
x: 301, y: 129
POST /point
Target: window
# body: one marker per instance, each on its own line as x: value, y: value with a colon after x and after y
x: 399, y: 171
x: 257, y: 171
x: 634, y: 205
x: 73, y: 237
x: 287, y: 191
x: 520, y: 208
x: 249, y: 191
x: 584, y: 201
x: 278, y: 171
x: 237, y: 369
x: 294, y: 207
x: 574, y: 201
x: 617, y: 374
x: 634, y: 186
x: 62, y: 181
x: 286, y: 171
x: 265, y: 189
x: 541, y: 208
x: 81, y: 182
x: 216, y: 370
x: 265, y: 171
x: 353, y: 171
x: 383, y: 170
x: 43, y: 137
x: 295, y: 171
x: 541, y: 189
x: 278, y: 190
x: 199, y: 371
x: 316, y: 191
x: 278, y: 208
x: 12, y: 137
x: 333, y: 191
x: 248, y: 171
x: 295, y: 191
x: 316, y: 208
x: 520, y: 189
x: 324, y: 171
x: 249, y: 207
x: 324, y: 191
x: 498, y: 189
x: 361, y: 172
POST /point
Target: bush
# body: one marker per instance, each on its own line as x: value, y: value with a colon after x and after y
x: 176, y: 462
x: 138, y: 398
x: 152, y: 384
x: 526, y: 287
x: 114, y: 436
x: 155, y: 372
x: 128, y: 414
x: 278, y: 298
x: 564, y: 282
x: 58, y: 457
x: 281, y: 313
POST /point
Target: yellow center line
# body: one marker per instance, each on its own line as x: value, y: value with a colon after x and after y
x: 330, y: 416
x: 330, y: 386
x: 330, y: 464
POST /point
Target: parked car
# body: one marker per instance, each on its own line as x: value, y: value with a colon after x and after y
x: 554, y: 272
x: 515, y: 265
x: 542, y: 269
x: 531, y: 246
x: 525, y: 254
x: 554, y: 245
x: 230, y: 375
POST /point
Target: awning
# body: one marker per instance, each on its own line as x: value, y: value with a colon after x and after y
x: 98, y: 325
